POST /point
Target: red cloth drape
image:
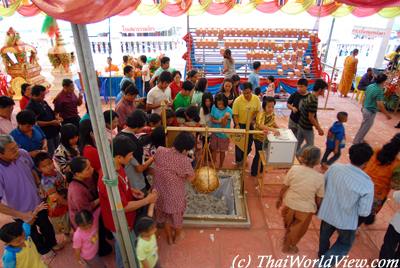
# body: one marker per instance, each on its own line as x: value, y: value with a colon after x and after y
x: 220, y: 8
x: 371, y: 3
x: 268, y: 7
x: 28, y: 10
x: 176, y: 9
x: 364, y: 12
x: 83, y: 11
x: 326, y: 10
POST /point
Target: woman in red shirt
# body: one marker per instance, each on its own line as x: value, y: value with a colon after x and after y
x: 26, y: 95
x: 176, y: 85
x: 87, y: 144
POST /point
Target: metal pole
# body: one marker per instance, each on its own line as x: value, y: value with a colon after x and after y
x: 86, y: 65
x: 384, y: 44
x: 329, y: 40
x: 330, y: 83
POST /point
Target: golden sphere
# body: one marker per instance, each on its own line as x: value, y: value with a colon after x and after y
x: 206, y: 180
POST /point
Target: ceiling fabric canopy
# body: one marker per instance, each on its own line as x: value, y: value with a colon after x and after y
x: 90, y: 11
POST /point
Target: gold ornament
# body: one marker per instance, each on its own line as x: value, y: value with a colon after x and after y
x: 206, y: 180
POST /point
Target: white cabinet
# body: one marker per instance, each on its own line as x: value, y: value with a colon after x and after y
x: 280, y: 150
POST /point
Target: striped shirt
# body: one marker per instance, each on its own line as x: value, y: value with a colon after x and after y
x: 309, y: 105
x: 349, y: 193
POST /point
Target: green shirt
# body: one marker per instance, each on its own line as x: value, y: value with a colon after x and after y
x: 147, y: 250
x: 181, y: 101
x: 373, y: 94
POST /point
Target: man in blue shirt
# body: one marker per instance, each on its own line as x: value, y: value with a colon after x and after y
x: 27, y: 135
x: 129, y: 77
x: 254, y: 77
x: 349, y: 193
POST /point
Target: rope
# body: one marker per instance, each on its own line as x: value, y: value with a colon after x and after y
x: 110, y: 182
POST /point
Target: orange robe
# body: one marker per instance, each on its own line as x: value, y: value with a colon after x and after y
x: 349, y: 71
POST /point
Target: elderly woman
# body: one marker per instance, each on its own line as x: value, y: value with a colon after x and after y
x: 172, y: 169
x: 301, y: 195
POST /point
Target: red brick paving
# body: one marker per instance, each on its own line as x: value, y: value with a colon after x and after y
x: 264, y: 237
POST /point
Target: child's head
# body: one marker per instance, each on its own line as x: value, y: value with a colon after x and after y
x: 137, y: 120
x: 123, y: 148
x: 26, y: 90
x: 154, y: 120
x: 268, y: 104
x: 207, y: 101
x: 129, y: 71
x: 13, y: 234
x: 26, y: 119
x: 257, y: 91
x: 157, y: 137
x: 227, y: 85
x: 192, y: 114
x: 187, y: 87
x: 270, y: 79
x: 146, y: 226
x: 302, y: 85
x: 310, y: 156
x: 111, y: 119
x: 84, y: 219
x: 319, y: 87
x: 342, y: 117
x: 69, y: 135
x: 143, y: 59
x: 256, y: 65
x: 171, y: 116
x: 221, y: 101
x: 44, y: 163
x: 201, y: 85
x: 130, y: 92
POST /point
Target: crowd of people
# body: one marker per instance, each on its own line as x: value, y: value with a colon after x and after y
x: 51, y: 179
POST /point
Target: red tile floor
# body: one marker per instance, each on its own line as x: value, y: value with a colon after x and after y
x: 217, y: 247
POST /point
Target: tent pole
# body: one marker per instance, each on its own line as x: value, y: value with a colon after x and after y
x: 91, y: 89
x: 330, y: 83
x: 329, y: 41
x: 384, y: 44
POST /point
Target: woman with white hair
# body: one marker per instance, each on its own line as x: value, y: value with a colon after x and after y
x: 301, y: 196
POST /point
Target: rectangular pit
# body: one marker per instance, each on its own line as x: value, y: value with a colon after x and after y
x: 225, y: 207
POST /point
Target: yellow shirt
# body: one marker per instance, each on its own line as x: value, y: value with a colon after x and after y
x: 391, y: 55
x: 241, y: 105
x: 263, y: 119
x: 29, y: 257
x: 147, y: 250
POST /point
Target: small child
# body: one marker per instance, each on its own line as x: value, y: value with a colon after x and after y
x: 54, y: 189
x: 20, y: 251
x: 111, y: 119
x: 265, y: 121
x: 86, y: 239
x: 301, y: 196
x: 257, y: 92
x: 171, y: 118
x: 270, y: 92
x: 221, y: 116
x: 336, y: 140
x: 155, y: 120
x: 391, y: 242
x: 207, y: 102
x: 147, y: 249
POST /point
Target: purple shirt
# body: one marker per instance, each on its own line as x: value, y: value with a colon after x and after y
x: 17, y: 184
x: 66, y: 104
